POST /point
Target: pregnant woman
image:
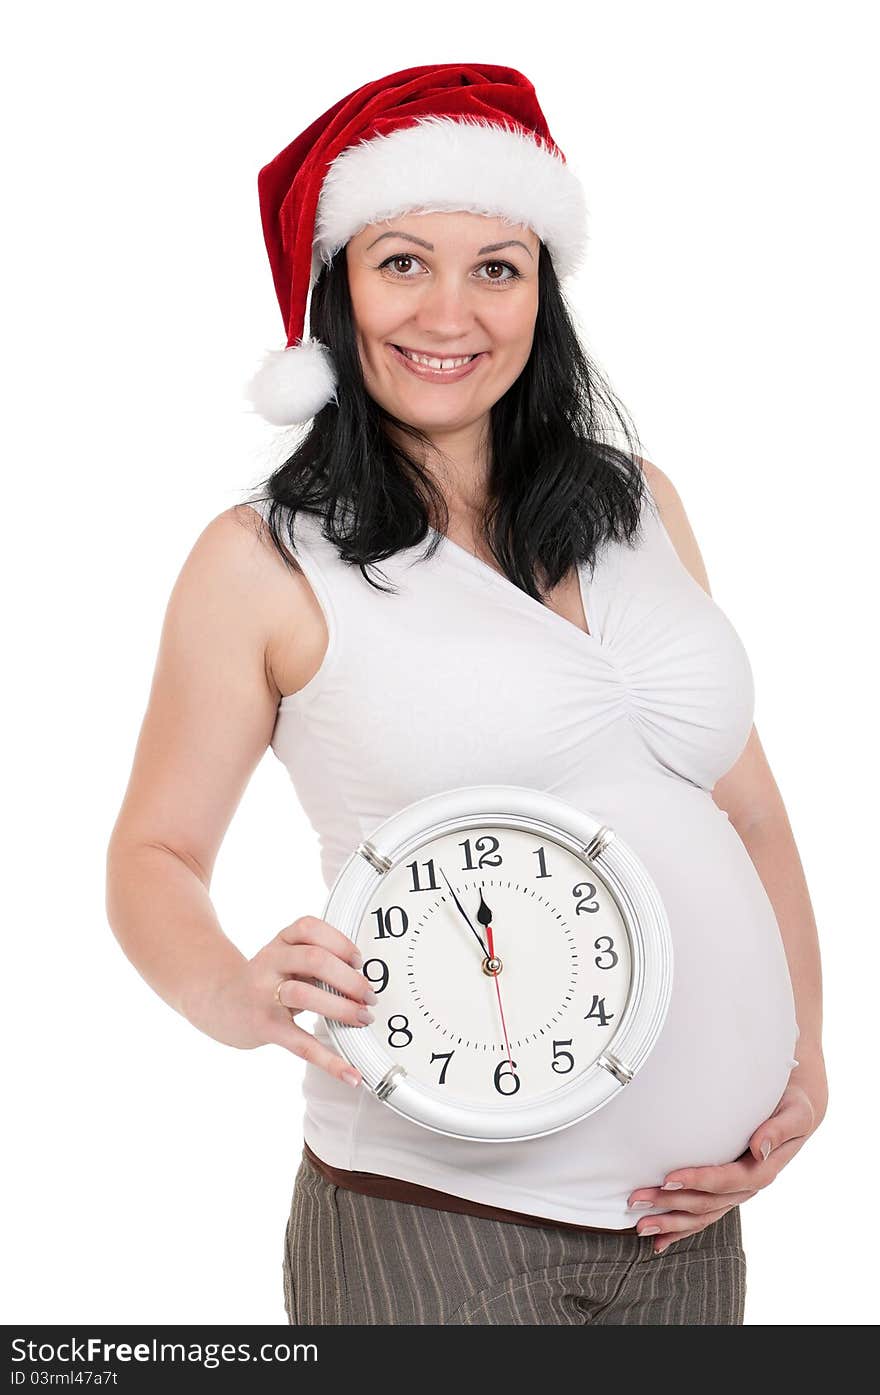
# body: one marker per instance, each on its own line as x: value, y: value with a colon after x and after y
x: 457, y: 579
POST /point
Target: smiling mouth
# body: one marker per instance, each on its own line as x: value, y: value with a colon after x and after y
x: 439, y: 365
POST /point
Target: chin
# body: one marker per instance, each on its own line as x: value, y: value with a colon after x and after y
x: 419, y: 415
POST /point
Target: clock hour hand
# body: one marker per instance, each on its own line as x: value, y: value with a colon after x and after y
x: 484, y: 916
x: 461, y: 908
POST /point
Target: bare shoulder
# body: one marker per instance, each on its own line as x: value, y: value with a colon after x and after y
x: 229, y: 584
x: 240, y: 520
x: 660, y: 485
x: 676, y: 522
x: 238, y: 547
x: 296, y: 629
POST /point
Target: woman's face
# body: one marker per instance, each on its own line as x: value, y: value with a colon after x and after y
x: 446, y: 286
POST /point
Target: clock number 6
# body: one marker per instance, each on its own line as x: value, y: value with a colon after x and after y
x: 507, y: 1066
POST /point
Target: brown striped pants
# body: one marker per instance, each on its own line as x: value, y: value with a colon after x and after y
x: 352, y: 1260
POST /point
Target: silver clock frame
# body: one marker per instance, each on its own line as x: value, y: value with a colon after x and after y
x: 608, y: 859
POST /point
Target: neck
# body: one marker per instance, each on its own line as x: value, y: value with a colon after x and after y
x: 459, y: 462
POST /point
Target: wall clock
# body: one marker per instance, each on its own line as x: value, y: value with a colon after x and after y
x: 522, y: 959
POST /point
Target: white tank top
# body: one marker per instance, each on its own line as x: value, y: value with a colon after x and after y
x: 634, y: 723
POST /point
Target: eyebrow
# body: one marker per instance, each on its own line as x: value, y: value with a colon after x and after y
x: 492, y: 247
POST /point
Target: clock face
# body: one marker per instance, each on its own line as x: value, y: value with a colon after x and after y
x: 501, y: 962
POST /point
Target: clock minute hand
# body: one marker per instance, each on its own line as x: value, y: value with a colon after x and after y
x: 465, y: 914
x: 484, y: 916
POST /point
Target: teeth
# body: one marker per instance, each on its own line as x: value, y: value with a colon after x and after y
x: 438, y: 363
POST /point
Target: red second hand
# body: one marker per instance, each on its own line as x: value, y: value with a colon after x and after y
x: 489, y: 937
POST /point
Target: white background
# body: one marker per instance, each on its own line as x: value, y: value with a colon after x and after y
x: 730, y: 294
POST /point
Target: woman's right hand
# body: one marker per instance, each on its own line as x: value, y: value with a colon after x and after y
x: 244, y: 1010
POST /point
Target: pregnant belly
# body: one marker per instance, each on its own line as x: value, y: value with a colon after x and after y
x: 718, y: 1068
x: 728, y: 1043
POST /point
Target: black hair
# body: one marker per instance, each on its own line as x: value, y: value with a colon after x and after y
x: 557, y: 487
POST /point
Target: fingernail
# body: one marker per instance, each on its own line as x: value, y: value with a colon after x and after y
x: 364, y: 1015
x: 672, y: 1186
x: 660, y: 1248
x: 370, y: 996
x: 765, y: 1148
x: 636, y: 1204
x: 650, y: 1230
x: 357, y: 960
x: 350, y: 1077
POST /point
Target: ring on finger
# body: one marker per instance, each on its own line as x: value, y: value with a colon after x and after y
x: 278, y: 987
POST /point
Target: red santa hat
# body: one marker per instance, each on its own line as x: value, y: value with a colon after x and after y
x: 459, y: 137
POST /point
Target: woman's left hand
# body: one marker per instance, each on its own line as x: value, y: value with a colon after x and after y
x: 704, y: 1194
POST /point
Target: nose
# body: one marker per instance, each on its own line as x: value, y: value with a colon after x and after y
x: 444, y: 311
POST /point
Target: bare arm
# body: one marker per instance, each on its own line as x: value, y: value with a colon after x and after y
x: 209, y: 720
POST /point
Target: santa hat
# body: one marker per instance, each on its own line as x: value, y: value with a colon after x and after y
x: 459, y: 137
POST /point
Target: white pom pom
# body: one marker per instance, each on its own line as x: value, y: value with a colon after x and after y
x: 292, y: 385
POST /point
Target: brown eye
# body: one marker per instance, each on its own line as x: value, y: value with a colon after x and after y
x: 390, y: 265
x: 501, y: 280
